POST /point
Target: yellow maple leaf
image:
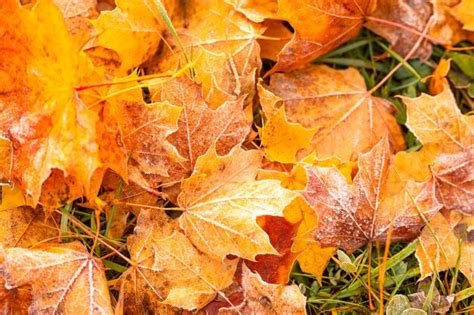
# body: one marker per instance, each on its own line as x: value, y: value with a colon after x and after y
x: 281, y: 140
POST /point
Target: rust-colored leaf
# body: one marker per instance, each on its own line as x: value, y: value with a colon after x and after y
x: 454, y: 176
x: 349, y: 216
x: 403, y: 22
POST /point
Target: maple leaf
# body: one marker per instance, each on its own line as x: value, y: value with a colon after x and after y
x: 133, y: 30
x: 221, y: 45
x: 281, y: 140
x: 144, y: 128
x: 264, y: 298
x: 330, y: 101
x: 349, y: 216
x: 412, y: 15
x: 199, y: 126
x: 44, y: 117
x: 337, y: 22
x: 448, y: 243
x: 221, y: 201
x: 454, y: 176
x: 25, y: 227
x: 437, y: 121
x: 62, y: 278
x: 170, y: 270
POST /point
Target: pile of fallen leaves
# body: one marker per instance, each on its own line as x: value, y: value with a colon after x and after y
x: 155, y: 122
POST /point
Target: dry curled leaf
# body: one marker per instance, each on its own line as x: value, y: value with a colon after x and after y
x: 349, y: 216
x: 62, y: 278
x: 333, y: 102
x: 264, y: 298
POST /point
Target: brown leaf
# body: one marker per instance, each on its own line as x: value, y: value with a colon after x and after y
x: 331, y: 101
x: 349, y: 216
x: 199, y: 126
x: 264, y: 298
x: 62, y: 278
x: 454, y: 176
x: 436, y: 120
x: 411, y: 14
